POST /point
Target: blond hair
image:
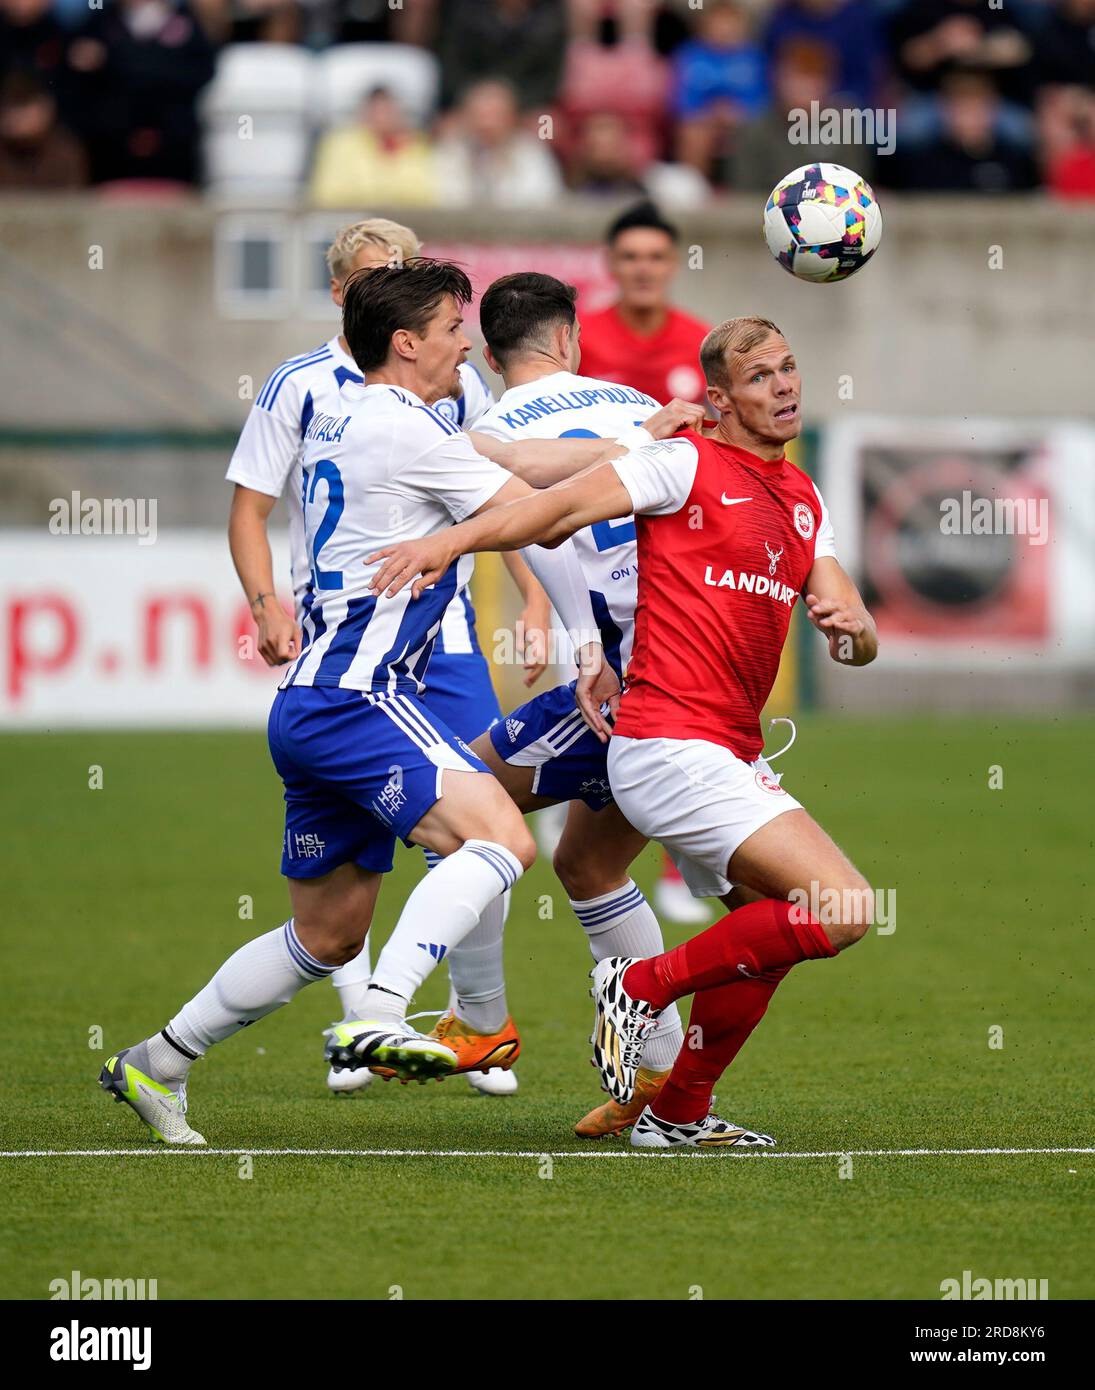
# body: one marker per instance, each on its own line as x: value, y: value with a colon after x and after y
x: 734, y: 338
x: 399, y: 242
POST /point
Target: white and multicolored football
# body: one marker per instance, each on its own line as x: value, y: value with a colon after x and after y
x: 822, y: 222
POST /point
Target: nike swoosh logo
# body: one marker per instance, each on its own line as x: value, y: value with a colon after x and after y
x: 733, y: 501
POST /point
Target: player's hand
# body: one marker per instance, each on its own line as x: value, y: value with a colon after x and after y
x: 279, y: 636
x: 532, y: 639
x: 677, y: 415
x: 598, y: 684
x: 428, y: 559
x: 836, y: 621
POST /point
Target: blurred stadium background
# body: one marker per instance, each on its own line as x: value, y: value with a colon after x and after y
x: 174, y: 169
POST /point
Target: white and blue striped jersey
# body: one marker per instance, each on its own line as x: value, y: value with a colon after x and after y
x: 267, y: 456
x: 564, y: 406
x: 382, y: 468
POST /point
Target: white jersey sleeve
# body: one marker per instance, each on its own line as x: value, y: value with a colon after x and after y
x: 442, y: 462
x: 659, y: 476
x: 478, y: 397
x: 270, y: 441
x: 825, y: 544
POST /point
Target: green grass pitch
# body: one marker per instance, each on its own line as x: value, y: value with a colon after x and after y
x: 121, y: 901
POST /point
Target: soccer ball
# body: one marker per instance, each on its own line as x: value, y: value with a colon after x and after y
x: 822, y: 222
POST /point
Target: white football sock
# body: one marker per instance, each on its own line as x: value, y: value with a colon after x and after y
x: 622, y: 923
x: 440, y: 912
x: 475, y: 969
x: 252, y: 983
x: 352, y: 982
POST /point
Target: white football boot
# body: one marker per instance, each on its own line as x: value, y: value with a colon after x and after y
x: 493, y: 1083
x: 344, y: 1082
x: 620, y: 1027
x: 649, y: 1132
x: 162, y: 1110
x: 405, y: 1054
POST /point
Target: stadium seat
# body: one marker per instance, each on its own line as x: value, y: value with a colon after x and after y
x: 346, y: 73
x: 254, y: 77
x: 273, y: 85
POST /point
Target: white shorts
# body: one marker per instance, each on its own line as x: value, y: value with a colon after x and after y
x: 696, y: 799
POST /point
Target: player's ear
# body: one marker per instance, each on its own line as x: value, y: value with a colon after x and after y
x: 336, y: 292
x: 491, y: 361
x: 720, y: 401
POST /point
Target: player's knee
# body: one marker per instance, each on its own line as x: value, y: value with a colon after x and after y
x: 336, y: 940
x: 854, y: 912
x: 522, y: 845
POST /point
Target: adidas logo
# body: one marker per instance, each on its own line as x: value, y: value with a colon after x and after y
x: 437, y: 952
x: 513, y: 728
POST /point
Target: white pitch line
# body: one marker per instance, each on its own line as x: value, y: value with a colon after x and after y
x: 198, y: 1151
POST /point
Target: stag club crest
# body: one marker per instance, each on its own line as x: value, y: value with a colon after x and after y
x: 774, y: 556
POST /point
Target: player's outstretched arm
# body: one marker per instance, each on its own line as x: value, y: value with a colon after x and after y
x: 544, y: 462
x: 514, y: 517
x: 836, y: 609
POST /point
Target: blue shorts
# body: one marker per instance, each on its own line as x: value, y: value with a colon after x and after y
x: 550, y: 735
x: 459, y: 693
x: 359, y: 771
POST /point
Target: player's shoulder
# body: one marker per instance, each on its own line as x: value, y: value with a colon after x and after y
x: 292, y: 374
x: 798, y: 481
x: 619, y: 392
x: 675, y: 450
x: 418, y: 426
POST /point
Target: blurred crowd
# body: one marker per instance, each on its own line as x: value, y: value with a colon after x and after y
x: 680, y: 100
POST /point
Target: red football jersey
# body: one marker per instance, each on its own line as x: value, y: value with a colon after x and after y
x: 721, y: 563
x: 663, y: 365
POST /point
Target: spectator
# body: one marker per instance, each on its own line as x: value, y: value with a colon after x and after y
x: 36, y: 152
x: 1065, y: 43
x: 628, y: 77
x: 970, y: 155
x: 262, y: 21
x: 140, y: 65
x: 606, y: 163
x: 642, y: 339
x: 378, y: 159
x: 719, y: 81
x: 519, y: 41
x: 934, y: 38
x: 804, y: 72
x: 33, y: 40
x: 849, y: 29
x: 488, y: 160
x: 1066, y: 125
x: 369, y: 21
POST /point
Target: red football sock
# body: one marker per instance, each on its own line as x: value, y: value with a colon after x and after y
x: 718, y: 1028
x: 760, y: 937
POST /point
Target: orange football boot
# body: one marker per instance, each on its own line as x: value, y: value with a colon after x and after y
x: 612, y: 1117
x: 478, y: 1051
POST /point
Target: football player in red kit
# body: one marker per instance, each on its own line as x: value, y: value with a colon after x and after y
x: 730, y: 535
x: 642, y: 340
